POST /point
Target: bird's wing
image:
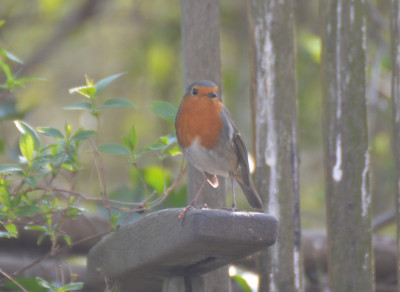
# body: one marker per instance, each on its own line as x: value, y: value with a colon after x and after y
x: 240, y: 148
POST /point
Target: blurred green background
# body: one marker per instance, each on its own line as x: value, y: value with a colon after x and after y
x: 62, y: 40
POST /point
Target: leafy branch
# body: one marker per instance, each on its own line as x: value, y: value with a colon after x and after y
x: 32, y: 186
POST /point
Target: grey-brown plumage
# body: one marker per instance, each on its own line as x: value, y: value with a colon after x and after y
x: 211, y: 142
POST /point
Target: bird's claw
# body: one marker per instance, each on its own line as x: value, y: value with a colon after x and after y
x: 184, y: 211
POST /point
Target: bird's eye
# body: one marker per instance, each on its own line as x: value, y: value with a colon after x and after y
x: 195, y: 91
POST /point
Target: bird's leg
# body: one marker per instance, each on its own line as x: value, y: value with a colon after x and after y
x: 233, y: 194
x: 193, y: 201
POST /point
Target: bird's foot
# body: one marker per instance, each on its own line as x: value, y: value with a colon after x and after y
x: 189, y: 207
x: 182, y: 214
x: 232, y: 209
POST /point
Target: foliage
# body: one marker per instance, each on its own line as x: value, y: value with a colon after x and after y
x: 11, y: 80
x: 32, y: 185
x: 242, y: 283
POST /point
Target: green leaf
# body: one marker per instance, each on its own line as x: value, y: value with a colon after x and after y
x: 127, y: 143
x: 174, y: 151
x: 30, y: 181
x: 67, y: 238
x: 26, y: 145
x: 36, y: 228
x: 52, y: 132
x: 117, y: 103
x: 29, y: 284
x: 2, y: 22
x: 159, y: 145
x: 73, y: 211
x: 114, y: 219
x: 131, y: 140
x: 12, y: 230
x: 154, y: 176
x: 83, y: 135
x: 242, y: 283
x: 105, y: 82
x: 44, y: 283
x: 41, y: 238
x: 13, y: 57
x: 164, y: 110
x: 27, y: 210
x: 115, y: 149
x: 83, y: 105
x: 25, y: 128
x: 87, y: 91
x: 133, y: 137
x: 6, y: 69
x: 5, y: 168
x: 71, y: 287
x: 67, y: 129
x: 4, y: 195
x: 29, y: 79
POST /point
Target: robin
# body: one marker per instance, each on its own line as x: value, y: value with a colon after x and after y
x: 211, y: 142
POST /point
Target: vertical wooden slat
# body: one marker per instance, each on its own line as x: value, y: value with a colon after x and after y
x: 396, y: 115
x: 346, y: 145
x: 202, y: 60
x: 273, y: 87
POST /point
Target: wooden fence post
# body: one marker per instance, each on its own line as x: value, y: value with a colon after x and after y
x: 396, y: 115
x: 346, y: 146
x: 201, y: 60
x: 273, y: 87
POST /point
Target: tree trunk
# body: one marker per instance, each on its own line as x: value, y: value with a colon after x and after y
x: 346, y: 146
x: 273, y: 87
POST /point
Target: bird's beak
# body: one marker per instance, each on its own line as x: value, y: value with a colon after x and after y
x: 212, y: 94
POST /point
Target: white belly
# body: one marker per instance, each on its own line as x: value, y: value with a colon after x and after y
x: 220, y: 161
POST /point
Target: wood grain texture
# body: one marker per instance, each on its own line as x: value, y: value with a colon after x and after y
x: 200, y: 22
x: 395, y: 33
x: 346, y: 146
x: 202, y: 61
x: 274, y: 105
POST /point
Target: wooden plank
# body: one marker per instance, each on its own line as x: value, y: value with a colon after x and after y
x: 161, y: 245
x: 202, y: 60
x: 396, y: 115
x: 200, y: 21
x: 346, y: 146
x: 273, y: 88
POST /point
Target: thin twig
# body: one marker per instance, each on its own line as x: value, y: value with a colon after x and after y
x: 143, y: 206
x: 101, y: 176
x: 12, y: 280
x: 89, y: 198
x: 51, y: 254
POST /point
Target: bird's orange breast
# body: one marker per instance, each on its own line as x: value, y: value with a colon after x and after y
x: 199, y: 117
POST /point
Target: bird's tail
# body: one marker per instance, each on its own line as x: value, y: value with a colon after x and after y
x: 251, y: 194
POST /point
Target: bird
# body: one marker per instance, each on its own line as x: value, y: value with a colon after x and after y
x: 211, y: 142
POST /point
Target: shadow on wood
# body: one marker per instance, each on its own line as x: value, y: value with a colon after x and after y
x: 161, y: 245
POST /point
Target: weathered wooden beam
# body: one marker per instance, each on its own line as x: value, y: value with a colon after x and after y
x: 273, y: 90
x: 201, y: 59
x: 395, y: 31
x: 160, y: 245
x: 348, y: 199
